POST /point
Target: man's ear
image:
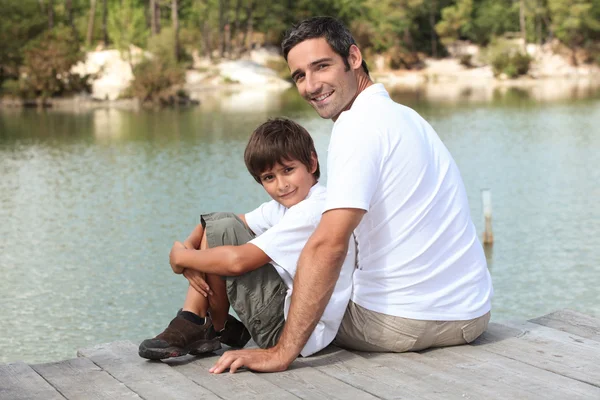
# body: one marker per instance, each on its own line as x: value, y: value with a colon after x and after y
x: 355, y: 58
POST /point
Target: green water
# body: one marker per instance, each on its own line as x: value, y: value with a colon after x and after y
x: 91, y: 202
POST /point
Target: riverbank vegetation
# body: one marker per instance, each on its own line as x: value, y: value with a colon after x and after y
x: 40, y: 40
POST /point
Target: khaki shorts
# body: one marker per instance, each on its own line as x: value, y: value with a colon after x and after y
x: 367, y: 330
x: 258, y: 296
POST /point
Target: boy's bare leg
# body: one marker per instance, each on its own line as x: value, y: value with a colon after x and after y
x: 218, y: 301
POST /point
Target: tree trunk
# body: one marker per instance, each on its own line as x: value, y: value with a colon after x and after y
x: 154, y: 17
x: 236, y: 25
x: 206, y: 39
x: 522, y: 24
x: 104, y: 22
x: 90, y: 30
x: 50, y: 14
x: 432, y: 11
x: 175, y: 19
x: 247, y: 40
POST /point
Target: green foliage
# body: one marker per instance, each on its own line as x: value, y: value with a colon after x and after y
x: 162, y: 46
x: 456, y: 20
x: 494, y: 18
x: 156, y: 82
x: 20, y: 21
x: 573, y: 21
x: 127, y: 24
x: 47, y: 63
x: 506, y: 58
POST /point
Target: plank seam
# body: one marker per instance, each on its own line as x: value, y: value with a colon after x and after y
x: 49, y: 383
x: 117, y: 379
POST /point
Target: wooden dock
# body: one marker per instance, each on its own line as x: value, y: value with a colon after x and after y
x: 556, y: 356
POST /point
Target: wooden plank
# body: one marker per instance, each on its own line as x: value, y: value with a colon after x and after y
x: 545, y: 348
x: 309, y: 383
x: 241, y: 385
x: 377, y: 380
x: 448, y: 378
x: 19, y: 382
x: 573, y: 322
x: 80, y: 378
x: 544, y: 383
x: 150, y: 379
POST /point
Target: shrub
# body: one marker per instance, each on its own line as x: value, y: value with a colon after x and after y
x: 506, y: 58
x: 47, y: 64
x: 156, y: 82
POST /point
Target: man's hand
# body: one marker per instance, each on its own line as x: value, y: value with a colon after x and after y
x: 269, y: 360
x: 177, y: 247
x: 197, y: 281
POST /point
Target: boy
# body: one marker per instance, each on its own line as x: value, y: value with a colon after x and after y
x: 257, y: 254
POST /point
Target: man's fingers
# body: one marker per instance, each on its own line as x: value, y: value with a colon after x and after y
x: 237, y: 363
x: 223, y: 362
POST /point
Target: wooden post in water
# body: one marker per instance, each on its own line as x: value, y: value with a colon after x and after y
x: 486, y: 197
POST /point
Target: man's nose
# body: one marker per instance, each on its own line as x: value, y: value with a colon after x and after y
x: 313, y: 86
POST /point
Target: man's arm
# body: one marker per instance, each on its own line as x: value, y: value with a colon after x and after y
x: 318, y: 270
x: 222, y: 260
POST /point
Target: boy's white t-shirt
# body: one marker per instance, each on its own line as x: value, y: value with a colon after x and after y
x: 418, y: 252
x: 282, y: 233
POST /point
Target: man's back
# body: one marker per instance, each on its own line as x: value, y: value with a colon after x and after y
x: 418, y: 252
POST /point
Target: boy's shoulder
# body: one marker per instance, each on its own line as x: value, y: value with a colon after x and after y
x: 309, y: 209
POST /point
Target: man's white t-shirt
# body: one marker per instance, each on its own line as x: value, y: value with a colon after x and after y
x: 282, y: 233
x: 418, y: 252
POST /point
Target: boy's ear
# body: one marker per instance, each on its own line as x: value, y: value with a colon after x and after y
x: 313, y: 163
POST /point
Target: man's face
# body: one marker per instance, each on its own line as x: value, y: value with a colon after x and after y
x: 322, y: 77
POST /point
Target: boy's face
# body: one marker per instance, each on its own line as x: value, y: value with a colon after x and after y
x: 289, y: 183
x: 322, y: 77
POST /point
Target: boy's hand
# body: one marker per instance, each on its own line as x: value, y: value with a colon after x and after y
x: 261, y: 360
x: 177, y: 247
x: 197, y: 281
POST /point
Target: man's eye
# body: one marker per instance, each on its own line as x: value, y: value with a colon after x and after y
x: 298, y: 77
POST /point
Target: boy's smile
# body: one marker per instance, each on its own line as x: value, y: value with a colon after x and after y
x: 288, y: 183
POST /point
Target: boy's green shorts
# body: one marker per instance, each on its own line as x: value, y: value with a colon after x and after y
x: 258, y: 296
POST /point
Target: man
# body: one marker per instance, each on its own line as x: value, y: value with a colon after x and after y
x: 421, y: 279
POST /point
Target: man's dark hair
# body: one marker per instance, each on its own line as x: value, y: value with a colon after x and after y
x: 276, y: 141
x: 335, y: 33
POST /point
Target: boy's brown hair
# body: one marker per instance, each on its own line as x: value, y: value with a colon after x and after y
x: 276, y: 141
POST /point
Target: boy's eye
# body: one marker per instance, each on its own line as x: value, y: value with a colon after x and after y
x: 322, y: 66
x: 267, y: 178
x: 289, y: 169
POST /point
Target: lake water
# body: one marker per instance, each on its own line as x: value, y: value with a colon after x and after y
x: 91, y: 202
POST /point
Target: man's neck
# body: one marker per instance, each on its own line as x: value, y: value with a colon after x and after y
x: 363, y: 81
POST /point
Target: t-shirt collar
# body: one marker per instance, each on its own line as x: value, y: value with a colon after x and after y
x: 376, y: 89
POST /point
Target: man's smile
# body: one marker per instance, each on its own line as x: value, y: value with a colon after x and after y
x: 321, y: 97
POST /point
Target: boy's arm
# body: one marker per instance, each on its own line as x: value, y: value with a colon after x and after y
x: 222, y: 260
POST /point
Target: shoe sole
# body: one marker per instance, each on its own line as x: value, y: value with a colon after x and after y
x: 196, y: 348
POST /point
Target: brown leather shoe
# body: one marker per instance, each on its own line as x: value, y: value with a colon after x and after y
x: 180, y: 338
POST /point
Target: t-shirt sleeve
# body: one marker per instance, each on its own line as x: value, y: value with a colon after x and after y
x: 264, y: 217
x: 284, y: 242
x: 353, y: 167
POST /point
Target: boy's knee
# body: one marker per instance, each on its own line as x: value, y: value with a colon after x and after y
x: 225, y: 229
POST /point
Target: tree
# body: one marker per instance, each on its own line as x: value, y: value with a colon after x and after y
x: 90, y: 28
x: 455, y: 21
x: 574, y: 21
